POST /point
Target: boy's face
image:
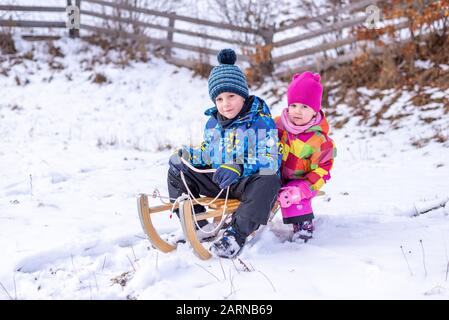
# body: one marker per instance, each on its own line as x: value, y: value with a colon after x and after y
x: 300, y: 114
x: 229, y: 104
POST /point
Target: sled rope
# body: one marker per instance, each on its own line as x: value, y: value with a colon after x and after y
x: 157, y: 194
x: 191, y: 197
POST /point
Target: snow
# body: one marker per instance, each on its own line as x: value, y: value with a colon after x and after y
x: 75, y: 155
x: 423, y: 64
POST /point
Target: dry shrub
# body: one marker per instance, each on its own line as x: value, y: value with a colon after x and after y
x: 440, y: 137
x: 133, y: 48
x: 395, y: 67
x: 339, y: 124
x: 421, y: 99
x: 427, y: 24
x: 254, y: 14
x: 98, y: 40
x: 128, y: 49
x: 389, y: 73
x: 7, y: 43
x: 201, y: 68
x: 54, y: 51
x: 55, y: 65
x: 261, y: 64
x: 98, y: 78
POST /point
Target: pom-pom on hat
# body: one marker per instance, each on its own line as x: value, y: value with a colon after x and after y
x: 227, y: 77
x: 306, y: 88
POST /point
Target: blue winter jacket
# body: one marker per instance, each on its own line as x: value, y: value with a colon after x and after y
x: 251, y: 140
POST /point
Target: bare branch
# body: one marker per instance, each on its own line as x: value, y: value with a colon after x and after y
x: 213, y: 275
x: 274, y: 289
x: 6, y: 291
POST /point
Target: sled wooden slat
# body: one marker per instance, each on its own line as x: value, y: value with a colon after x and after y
x: 165, y: 207
x: 216, y: 213
x: 220, y: 203
x: 190, y: 232
x: 148, y: 227
x: 189, y: 226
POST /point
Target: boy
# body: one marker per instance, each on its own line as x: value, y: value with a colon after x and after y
x: 241, y: 142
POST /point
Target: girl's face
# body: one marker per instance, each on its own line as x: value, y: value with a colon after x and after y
x: 300, y: 114
x: 229, y: 104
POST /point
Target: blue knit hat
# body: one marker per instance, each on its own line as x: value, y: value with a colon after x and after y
x: 227, y: 77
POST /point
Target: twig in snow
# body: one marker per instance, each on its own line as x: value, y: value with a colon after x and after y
x: 274, y: 289
x: 6, y: 291
x: 235, y: 266
x: 447, y: 259
x: 245, y: 267
x: 15, y: 289
x: 134, y: 254
x: 31, y: 185
x: 232, y: 284
x: 104, y: 262
x: 224, y: 273
x: 447, y: 270
x: 423, y: 258
x: 96, y: 283
x: 90, y: 290
x: 403, y: 253
x: 213, y: 275
x: 73, y: 266
x: 135, y: 258
x: 132, y: 265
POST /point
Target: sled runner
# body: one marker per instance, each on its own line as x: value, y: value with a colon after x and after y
x: 216, y: 208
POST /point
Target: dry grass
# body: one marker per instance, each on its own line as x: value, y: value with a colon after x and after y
x: 395, y: 69
x: 7, y: 43
x: 99, y: 78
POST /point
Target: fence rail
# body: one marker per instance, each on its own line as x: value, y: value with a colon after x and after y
x: 264, y: 37
x: 32, y: 24
x: 354, y: 7
x: 31, y: 8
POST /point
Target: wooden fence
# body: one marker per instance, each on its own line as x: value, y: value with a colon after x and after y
x: 222, y: 34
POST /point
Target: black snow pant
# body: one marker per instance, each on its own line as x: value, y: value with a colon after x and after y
x: 257, y: 194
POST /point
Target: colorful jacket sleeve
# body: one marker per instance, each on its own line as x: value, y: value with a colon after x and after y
x: 321, y: 164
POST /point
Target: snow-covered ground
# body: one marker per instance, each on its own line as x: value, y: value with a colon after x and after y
x: 75, y: 154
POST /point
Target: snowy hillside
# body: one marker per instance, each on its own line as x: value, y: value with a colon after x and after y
x: 74, y: 154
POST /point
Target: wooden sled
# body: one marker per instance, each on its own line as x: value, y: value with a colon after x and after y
x: 187, y: 220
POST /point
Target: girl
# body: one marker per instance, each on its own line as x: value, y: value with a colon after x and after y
x: 308, y: 152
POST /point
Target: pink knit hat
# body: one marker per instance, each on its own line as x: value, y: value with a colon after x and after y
x: 306, y: 88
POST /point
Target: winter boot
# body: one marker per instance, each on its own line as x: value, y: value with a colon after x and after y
x: 229, y: 245
x: 303, y: 230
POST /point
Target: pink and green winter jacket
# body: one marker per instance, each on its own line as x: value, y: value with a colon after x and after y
x: 309, y: 155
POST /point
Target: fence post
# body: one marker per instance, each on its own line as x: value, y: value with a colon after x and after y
x: 171, y: 24
x: 268, y: 35
x: 75, y: 32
